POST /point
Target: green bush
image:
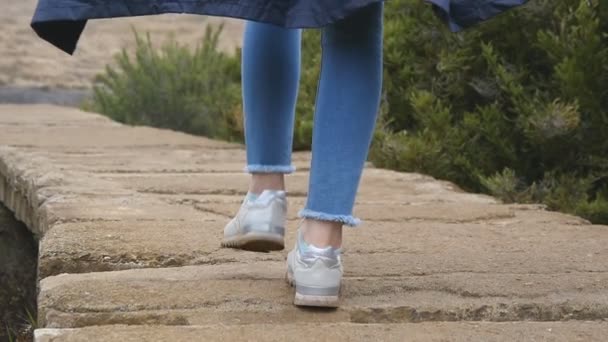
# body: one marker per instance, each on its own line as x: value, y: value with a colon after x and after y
x: 195, y: 92
x: 173, y: 87
x: 311, y: 63
x: 516, y: 107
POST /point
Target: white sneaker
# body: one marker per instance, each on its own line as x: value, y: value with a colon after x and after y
x: 316, y: 274
x: 259, y: 224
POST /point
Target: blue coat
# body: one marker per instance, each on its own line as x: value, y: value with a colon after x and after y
x: 61, y: 22
x: 460, y: 14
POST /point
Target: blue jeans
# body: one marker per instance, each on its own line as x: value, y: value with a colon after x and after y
x: 347, y: 103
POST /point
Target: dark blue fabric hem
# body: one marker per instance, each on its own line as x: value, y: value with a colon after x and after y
x: 461, y: 14
x: 61, y: 22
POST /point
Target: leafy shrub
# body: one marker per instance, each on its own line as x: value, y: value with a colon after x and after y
x: 195, y: 92
x: 173, y: 87
x: 311, y: 63
x: 517, y: 107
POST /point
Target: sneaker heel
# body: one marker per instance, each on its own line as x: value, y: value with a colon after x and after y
x: 319, y: 297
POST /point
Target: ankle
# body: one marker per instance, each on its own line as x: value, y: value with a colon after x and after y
x: 322, y: 233
x: 266, y: 181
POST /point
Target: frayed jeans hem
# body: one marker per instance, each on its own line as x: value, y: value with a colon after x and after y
x: 348, y: 220
x: 259, y: 168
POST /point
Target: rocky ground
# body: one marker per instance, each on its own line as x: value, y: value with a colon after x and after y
x: 130, y: 220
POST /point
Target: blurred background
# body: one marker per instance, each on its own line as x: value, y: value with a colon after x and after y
x: 29, y: 66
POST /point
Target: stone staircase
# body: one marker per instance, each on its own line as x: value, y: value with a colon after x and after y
x: 130, y: 219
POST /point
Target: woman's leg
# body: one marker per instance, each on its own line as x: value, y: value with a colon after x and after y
x: 271, y: 73
x: 346, y: 110
x: 347, y: 104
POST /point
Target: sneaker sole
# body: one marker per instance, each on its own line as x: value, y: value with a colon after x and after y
x: 316, y: 301
x: 256, y: 242
x: 310, y: 300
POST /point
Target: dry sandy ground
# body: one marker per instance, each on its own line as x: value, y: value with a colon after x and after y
x: 26, y: 60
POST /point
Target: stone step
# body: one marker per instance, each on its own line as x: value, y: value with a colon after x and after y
x: 433, y: 332
x: 377, y: 184
x: 255, y: 292
x: 131, y: 219
x: 142, y: 160
x: 54, y: 127
x: 495, y: 240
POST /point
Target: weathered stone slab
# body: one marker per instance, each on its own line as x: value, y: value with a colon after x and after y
x: 137, y: 235
x: 253, y: 293
x: 67, y: 137
x: 387, y: 211
x: 432, y: 332
x: 41, y: 116
x: 375, y: 249
x: 68, y: 127
x: 375, y: 185
x: 147, y: 160
x: 161, y: 159
x: 125, y: 207
x: 93, y: 246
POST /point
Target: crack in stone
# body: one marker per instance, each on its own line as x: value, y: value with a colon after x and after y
x: 54, y: 264
x: 229, y: 192
x: 500, y: 312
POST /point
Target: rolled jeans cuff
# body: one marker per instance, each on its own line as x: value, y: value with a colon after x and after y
x: 348, y: 220
x: 259, y: 168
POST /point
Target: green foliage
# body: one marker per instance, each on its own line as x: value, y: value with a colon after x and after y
x: 21, y: 329
x: 173, y: 87
x: 196, y: 92
x: 9, y: 334
x: 311, y: 62
x: 516, y: 107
